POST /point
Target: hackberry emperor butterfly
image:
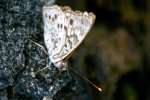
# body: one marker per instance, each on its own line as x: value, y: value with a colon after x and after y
x: 64, y: 30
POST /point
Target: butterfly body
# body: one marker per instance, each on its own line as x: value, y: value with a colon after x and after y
x: 64, y: 30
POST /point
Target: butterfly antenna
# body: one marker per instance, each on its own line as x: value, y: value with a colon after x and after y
x: 39, y: 46
x: 44, y: 52
x: 86, y: 79
x: 41, y: 69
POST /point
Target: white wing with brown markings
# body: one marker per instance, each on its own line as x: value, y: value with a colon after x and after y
x: 64, y: 30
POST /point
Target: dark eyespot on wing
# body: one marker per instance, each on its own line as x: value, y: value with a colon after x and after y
x: 49, y: 17
x: 70, y: 43
x: 61, y: 26
x: 46, y: 15
x: 55, y: 16
x: 52, y: 19
x: 71, y: 21
x: 65, y: 28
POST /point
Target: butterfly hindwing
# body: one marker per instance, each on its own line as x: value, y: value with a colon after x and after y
x: 78, y: 25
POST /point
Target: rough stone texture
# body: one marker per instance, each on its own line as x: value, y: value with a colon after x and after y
x: 21, y: 20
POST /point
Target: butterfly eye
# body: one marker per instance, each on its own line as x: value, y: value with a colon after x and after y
x: 71, y: 21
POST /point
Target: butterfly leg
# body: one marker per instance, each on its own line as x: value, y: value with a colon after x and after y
x: 39, y: 46
x: 48, y: 65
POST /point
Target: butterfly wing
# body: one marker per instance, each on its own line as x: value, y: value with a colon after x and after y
x: 78, y: 25
x: 64, y: 33
x: 54, y: 34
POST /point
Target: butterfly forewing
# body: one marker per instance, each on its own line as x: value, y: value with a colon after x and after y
x: 64, y: 30
x: 54, y: 35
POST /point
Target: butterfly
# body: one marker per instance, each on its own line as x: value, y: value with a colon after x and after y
x: 64, y: 30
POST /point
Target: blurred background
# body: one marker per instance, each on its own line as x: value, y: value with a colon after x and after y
x: 115, y: 54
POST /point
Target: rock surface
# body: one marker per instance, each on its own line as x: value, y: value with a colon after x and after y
x: 21, y: 59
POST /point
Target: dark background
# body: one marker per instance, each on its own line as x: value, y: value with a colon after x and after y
x: 115, y: 54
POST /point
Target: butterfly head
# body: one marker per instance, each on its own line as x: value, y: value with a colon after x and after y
x: 61, y: 65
